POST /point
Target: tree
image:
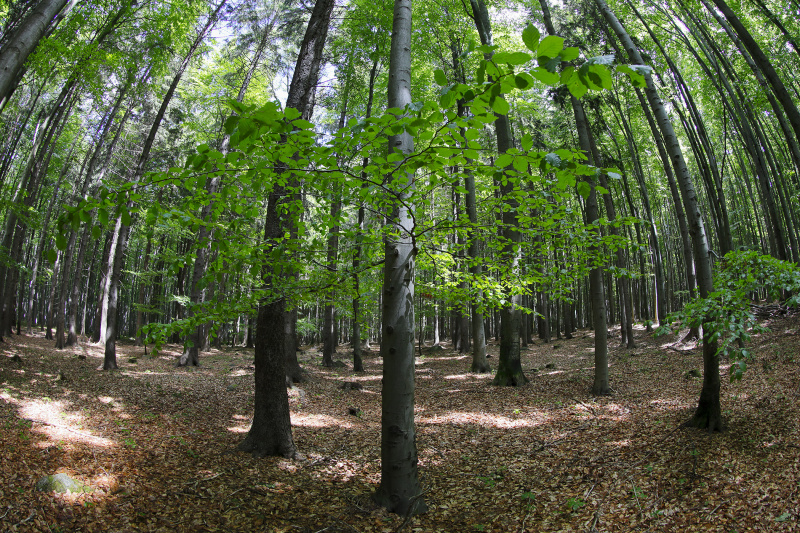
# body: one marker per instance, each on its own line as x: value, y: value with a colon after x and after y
x: 708, y: 414
x: 24, y: 41
x: 399, y: 491
x: 271, y: 431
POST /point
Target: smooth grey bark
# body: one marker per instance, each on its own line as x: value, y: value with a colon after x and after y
x: 399, y: 491
x: 509, y: 366
x: 271, y: 431
x: 709, y: 413
x: 23, y: 42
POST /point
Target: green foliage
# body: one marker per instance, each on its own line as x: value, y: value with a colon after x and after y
x: 726, y: 313
x: 575, y: 504
x: 271, y: 148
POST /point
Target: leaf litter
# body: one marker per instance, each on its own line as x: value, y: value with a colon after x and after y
x: 158, y: 443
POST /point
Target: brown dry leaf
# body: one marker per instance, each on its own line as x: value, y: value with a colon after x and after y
x: 158, y: 444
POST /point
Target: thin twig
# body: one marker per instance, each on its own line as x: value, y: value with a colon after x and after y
x: 637, y: 499
x: 7, y: 510
x: 714, y: 510
x: 33, y: 513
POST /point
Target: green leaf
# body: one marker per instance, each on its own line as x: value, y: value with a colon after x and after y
x: 550, y: 46
x: 576, y: 86
x: 52, y: 256
x: 303, y: 124
x: 126, y: 217
x: 439, y: 76
x: 584, y: 189
x: 291, y: 113
x: 530, y: 36
x: 600, y: 76
x: 61, y: 242
x: 518, y: 58
x: 553, y: 160
x: 636, y: 77
x: 231, y: 123
x: 521, y: 82
x: 548, y: 78
x: 96, y: 232
x: 527, y: 142
x: 500, y: 106
x: 504, y: 160
x: 606, y: 60
x: 570, y: 54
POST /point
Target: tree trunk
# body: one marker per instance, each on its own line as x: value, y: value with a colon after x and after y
x: 271, y: 432
x: 399, y: 491
x: 708, y: 414
x: 509, y: 367
x: 24, y: 41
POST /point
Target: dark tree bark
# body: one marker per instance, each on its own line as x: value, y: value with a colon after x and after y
x: 271, y: 432
x: 509, y: 367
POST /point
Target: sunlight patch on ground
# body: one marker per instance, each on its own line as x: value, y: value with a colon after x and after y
x: 51, y: 419
x: 453, y: 358
x: 668, y: 404
x: 619, y: 443
x: 617, y: 412
x: 483, y: 419
x: 319, y: 421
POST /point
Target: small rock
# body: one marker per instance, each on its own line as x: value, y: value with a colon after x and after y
x: 61, y: 483
x: 351, y: 385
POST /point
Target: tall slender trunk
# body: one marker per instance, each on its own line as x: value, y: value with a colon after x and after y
x: 122, y: 230
x: 509, y: 367
x: 358, y: 364
x: 24, y: 41
x: 399, y: 490
x: 709, y: 413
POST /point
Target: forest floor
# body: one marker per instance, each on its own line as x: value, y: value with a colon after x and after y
x: 157, y: 443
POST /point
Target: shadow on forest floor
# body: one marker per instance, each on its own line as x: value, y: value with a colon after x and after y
x: 157, y: 443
